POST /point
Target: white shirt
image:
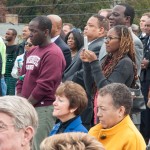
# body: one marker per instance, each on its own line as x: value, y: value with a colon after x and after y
x: 54, y: 38
x: 14, y: 71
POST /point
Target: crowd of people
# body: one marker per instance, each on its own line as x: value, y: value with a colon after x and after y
x: 61, y: 86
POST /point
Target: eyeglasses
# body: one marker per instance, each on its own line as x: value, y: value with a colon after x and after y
x: 107, y: 39
x: 4, y: 127
x: 28, y: 44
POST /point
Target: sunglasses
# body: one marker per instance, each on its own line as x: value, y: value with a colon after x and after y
x: 28, y: 44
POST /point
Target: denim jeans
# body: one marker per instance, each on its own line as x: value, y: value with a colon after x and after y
x: 3, y: 86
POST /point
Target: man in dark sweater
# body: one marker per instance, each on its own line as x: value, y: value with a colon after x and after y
x: 11, y: 54
x: 43, y: 70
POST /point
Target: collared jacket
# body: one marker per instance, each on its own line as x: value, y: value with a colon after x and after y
x: 145, y: 73
x: 122, y: 136
x: 74, y: 126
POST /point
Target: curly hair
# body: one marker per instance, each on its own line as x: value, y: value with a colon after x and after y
x: 126, y: 48
x: 71, y: 141
x: 121, y: 96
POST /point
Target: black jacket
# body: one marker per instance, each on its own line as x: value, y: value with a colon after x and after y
x: 145, y: 73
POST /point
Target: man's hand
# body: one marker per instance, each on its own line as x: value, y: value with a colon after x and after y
x: 32, y: 100
x: 144, y: 63
x: 18, y: 94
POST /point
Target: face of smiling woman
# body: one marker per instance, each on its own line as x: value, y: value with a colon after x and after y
x: 62, y: 109
x: 71, y: 42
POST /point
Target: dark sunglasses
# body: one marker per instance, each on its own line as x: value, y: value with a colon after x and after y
x: 28, y: 44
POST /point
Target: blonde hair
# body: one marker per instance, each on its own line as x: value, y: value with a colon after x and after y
x: 71, y: 141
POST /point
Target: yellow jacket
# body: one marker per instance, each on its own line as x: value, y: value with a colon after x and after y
x: 123, y: 136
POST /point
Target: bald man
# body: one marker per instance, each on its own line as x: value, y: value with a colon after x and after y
x: 55, y: 37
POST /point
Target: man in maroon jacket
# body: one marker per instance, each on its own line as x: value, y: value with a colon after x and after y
x: 43, y: 70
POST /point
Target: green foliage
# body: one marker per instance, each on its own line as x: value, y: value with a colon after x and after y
x: 140, y: 6
x: 76, y: 12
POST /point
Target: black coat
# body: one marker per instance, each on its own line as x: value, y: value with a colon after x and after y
x: 145, y: 73
x: 65, y: 49
x: 75, y: 70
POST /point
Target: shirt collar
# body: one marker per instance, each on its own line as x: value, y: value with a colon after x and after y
x: 54, y: 38
x: 91, y: 42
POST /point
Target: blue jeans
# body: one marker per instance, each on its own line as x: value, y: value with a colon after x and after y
x: 3, y: 86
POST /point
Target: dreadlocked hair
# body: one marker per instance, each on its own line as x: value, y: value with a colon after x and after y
x: 126, y: 48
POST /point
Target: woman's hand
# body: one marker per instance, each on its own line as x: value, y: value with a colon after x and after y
x: 87, y: 56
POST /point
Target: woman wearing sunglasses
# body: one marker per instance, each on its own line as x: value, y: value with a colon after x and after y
x: 19, y: 60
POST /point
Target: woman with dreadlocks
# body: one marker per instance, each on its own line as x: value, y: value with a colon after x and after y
x: 118, y: 66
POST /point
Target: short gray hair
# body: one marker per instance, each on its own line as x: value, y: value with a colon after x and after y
x: 22, y: 112
x: 120, y: 94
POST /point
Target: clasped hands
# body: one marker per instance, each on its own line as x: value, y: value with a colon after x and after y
x: 87, y: 56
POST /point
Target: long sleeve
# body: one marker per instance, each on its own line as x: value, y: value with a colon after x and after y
x: 43, y: 68
x: 138, y: 51
x: 20, y: 82
x: 88, y: 79
x: 50, y: 72
x: 122, y: 73
x: 75, y: 71
x: 3, y: 54
x: 124, y: 129
x: 14, y: 71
